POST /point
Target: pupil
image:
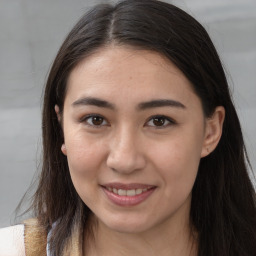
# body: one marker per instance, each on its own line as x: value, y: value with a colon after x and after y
x: 97, y: 120
x: 158, y: 121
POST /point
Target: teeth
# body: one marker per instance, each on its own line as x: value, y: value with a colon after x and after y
x: 121, y: 192
x: 130, y: 192
x: 139, y: 191
x: 110, y: 189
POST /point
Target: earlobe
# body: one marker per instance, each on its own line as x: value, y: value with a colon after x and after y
x: 57, y: 111
x: 63, y: 149
x: 213, y: 131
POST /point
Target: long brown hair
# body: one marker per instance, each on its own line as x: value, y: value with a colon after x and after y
x: 223, y: 199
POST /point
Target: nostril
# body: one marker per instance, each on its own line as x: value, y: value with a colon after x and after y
x: 126, y: 164
x: 124, y: 156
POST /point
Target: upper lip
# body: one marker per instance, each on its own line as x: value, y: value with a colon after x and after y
x: 129, y: 186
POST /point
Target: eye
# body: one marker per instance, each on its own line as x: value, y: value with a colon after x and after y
x: 94, y: 120
x: 160, y: 121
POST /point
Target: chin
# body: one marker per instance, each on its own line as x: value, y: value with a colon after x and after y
x: 127, y: 226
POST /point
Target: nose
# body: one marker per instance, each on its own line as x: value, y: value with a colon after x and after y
x: 125, y: 153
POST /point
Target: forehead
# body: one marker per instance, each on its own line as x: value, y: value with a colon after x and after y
x: 125, y: 74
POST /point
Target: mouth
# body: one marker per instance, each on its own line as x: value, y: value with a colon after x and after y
x: 128, y: 194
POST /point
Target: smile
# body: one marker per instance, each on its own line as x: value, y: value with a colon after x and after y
x: 127, y: 195
x: 130, y: 192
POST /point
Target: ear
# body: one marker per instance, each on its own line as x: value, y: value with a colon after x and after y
x: 57, y: 111
x: 63, y: 149
x: 213, y: 131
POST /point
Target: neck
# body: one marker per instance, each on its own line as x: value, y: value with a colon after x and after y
x: 172, y: 239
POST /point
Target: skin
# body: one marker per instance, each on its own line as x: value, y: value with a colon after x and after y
x: 129, y: 146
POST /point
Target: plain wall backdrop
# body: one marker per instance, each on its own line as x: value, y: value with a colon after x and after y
x: 31, y: 31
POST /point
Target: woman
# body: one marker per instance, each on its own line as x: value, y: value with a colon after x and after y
x: 142, y: 148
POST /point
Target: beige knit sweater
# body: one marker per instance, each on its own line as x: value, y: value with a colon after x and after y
x: 30, y: 239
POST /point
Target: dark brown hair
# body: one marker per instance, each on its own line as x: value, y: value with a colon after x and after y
x: 223, y: 199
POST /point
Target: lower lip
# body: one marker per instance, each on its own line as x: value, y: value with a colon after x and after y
x: 128, y: 200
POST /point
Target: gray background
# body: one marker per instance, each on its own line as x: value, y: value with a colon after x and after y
x: 31, y: 32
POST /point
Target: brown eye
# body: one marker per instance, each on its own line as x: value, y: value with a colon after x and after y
x: 95, y: 120
x: 159, y: 121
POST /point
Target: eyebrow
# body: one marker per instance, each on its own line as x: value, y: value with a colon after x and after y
x: 94, y: 102
x: 141, y: 106
x: 160, y: 103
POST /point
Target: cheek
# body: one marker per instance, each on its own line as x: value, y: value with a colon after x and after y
x: 84, y: 159
x: 177, y: 162
x: 84, y: 155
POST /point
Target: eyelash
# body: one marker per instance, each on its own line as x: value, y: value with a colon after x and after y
x: 87, y: 117
x: 165, y: 118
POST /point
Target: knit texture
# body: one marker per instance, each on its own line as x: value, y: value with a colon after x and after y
x: 35, y: 238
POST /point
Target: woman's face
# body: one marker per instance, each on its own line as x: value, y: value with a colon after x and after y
x: 134, y: 134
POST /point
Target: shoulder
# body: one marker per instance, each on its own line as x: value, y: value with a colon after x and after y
x: 35, y: 237
x: 12, y: 241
